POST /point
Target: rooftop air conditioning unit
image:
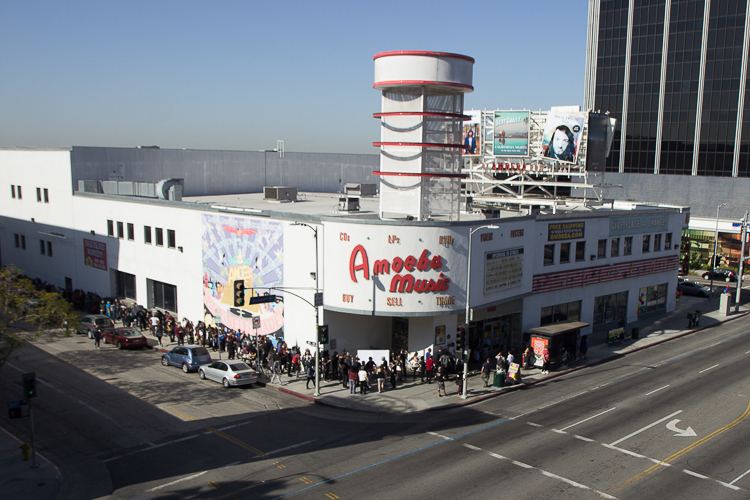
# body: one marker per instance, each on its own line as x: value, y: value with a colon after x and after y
x: 279, y: 193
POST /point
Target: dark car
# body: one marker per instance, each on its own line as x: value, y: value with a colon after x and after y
x: 721, y: 275
x: 124, y: 338
x: 693, y: 288
x: 100, y: 320
x: 188, y: 357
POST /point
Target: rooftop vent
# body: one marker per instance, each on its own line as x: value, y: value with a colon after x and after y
x: 279, y: 193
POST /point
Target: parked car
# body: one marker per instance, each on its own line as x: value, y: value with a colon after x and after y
x: 721, y: 275
x: 693, y: 288
x: 124, y: 338
x: 187, y: 357
x: 100, y: 320
x: 228, y: 373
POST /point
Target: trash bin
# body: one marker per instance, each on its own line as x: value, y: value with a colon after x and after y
x: 634, y: 333
x: 499, y: 379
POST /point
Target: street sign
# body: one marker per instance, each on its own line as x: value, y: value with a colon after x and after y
x: 309, y: 342
x: 17, y: 404
x: 318, y: 299
x: 262, y: 299
x: 256, y: 321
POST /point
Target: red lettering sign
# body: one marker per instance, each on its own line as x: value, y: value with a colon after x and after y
x: 406, y: 283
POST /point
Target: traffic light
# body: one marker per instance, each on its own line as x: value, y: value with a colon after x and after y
x: 239, y: 293
x: 29, y: 385
x: 323, y: 334
x: 460, y: 339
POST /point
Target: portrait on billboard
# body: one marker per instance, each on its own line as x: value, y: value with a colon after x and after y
x: 511, y: 133
x: 471, y: 133
x: 562, y: 137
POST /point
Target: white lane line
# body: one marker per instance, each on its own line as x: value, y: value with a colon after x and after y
x: 521, y: 464
x: 151, y: 446
x: 471, y: 447
x: 533, y: 424
x: 286, y: 448
x: 559, y: 431
x: 634, y: 454
x: 730, y: 486
x: 700, y: 476
x: 741, y: 476
x: 645, y: 428
x: 583, y: 438
x: 178, y: 481
x: 748, y: 352
x: 587, y: 419
x: 656, y: 390
x: 710, y: 367
x: 438, y: 435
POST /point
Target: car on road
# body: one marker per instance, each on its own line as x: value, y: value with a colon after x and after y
x: 693, y: 288
x: 100, y: 320
x: 124, y: 338
x: 187, y: 357
x: 720, y: 275
x: 228, y: 373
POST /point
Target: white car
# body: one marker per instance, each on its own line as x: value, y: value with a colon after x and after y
x: 228, y: 373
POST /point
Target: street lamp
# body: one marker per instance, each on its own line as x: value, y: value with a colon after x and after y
x: 468, y: 310
x: 716, y: 245
x: 317, y: 310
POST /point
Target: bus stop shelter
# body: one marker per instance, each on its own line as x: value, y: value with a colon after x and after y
x: 559, y: 338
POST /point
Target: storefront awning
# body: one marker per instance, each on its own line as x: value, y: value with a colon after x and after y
x: 556, y: 328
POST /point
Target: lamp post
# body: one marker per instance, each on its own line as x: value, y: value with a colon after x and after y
x: 317, y: 310
x: 716, y: 245
x: 468, y: 310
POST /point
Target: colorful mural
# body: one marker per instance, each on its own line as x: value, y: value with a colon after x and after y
x: 249, y: 249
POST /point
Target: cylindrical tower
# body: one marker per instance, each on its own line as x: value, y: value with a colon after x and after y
x: 421, y: 128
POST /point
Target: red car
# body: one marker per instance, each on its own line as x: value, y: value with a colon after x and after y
x: 124, y: 338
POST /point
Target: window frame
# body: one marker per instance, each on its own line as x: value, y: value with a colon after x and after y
x: 581, y: 256
x: 549, y: 255
x: 601, y: 249
x: 614, y: 247
x: 627, y: 245
x: 565, y: 252
x: 110, y: 227
x: 147, y: 237
x: 646, y: 246
x: 159, y: 236
x: 171, y: 238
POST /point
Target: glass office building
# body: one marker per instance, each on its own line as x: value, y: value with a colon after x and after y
x: 674, y: 74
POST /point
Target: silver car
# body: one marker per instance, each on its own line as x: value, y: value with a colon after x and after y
x: 100, y: 320
x: 228, y: 373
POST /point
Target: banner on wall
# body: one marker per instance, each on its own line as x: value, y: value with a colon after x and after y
x: 562, y: 137
x: 238, y: 248
x: 511, y: 133
x: 95, y: 254
x: 471, y: 131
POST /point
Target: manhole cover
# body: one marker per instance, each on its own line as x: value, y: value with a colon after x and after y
x: 710, y: 465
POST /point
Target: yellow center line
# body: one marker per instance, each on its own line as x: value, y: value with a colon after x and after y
x: 181, y: 414
x: 224, y: 435
x: 667, y: 460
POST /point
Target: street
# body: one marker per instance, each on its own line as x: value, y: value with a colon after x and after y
x: 667, y: 421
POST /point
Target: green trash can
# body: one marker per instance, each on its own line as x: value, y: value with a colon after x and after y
x: 499, y: 379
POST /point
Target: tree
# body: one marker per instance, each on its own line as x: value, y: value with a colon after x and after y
x: 25, y: 312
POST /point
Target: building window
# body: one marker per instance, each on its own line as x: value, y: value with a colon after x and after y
x: 23, y: 242
x: 147, y: 234
x: 564, y: 252
x: 657, y: 243
x: 627, y: 248
x: 49, y: 249
x: 120, y: 230
x: 668, y: 241
x: 110, y: 228
x: 655, y: 298
x: 42, y: 247
x: 18, y: 189
x: 580, y: 251
x: 125, y: 284
x: 39, y: 195
x: 12, y: 191
x: 610, y: 308
x: 170, y: 238
x: 131, y: 231
x: 159, y: 237
x: 17, y: 238
x: 162, y: 295
x: 601, y: 252
x: 549, y: 255
x: 646, y: 243
x: 46, y: 195
x: 570, y: 311
x: 614, y: 247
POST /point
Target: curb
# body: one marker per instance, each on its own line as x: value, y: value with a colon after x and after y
x: 51, y: 464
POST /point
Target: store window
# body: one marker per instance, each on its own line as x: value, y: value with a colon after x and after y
x: 580, y: 251
x: 627, y: 246
x: 564, y: 252
x: 601, y: 251
x: 610, y: 308
x: 570, y: 311
x: 125, y: 285
x: 652, y: 298
x: 549, y: 255
x: 162, y: 295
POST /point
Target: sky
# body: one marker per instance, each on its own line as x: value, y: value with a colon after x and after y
x: 239, y: 75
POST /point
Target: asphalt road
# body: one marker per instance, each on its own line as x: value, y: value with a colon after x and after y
x: 666, y: 422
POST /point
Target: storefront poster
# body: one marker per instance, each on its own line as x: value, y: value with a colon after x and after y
x: 237, y: 248
x: 440, y: 335
x: 95, y: 254
x: 538, y: 344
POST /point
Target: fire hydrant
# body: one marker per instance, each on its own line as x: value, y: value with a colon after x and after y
x: 26, y: 450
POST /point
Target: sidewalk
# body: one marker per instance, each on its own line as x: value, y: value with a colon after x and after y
x: 414, y: 396
x: 19, y: 480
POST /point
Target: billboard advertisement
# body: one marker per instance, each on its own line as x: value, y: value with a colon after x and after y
x: 511, y: 133
x: 471, y: 131
x: 562, y: 137
x: 241, y: 248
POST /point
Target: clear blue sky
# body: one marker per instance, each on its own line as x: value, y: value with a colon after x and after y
x: 239, y: 75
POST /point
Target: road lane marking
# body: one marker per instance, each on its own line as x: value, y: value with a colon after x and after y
x: 213, y: 484
x: 645, y: 428
x: 710, y: 367
x: 587, y: 419
x: 559, y: 431
x: 188, y: 478
x: 672, y: 426
x: 656, y: 390
x: 701, y: 476
x: 633, y: 454
x: 186, y: 417
x: 236, y: 441
x: 471, y: 447
x: 533, y: 424
x: 741, y: 476
x: 331, y: 496
x: 438, y: 435
x: 685, y: 450
x: 583, y: 438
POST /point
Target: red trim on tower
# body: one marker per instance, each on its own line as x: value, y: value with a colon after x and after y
x: 419, y: 144
x: 422, y: 53
x: 397, y: 83
x: 410, y: 174
x: 419, y: 113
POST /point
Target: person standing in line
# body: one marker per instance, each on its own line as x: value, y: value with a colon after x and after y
x: 97, y: 336
x: 393, y: 367
x: 353, y: 381
x: 422, y: 368
x: 429, y: 364
x: 584, y: 346
x: 460, y: 381
x: 380, y: 375
x: 486, y: 368
x: 363, y: 383
x: 545, y: 358
x: 440, y: 379
x: 309, y: 372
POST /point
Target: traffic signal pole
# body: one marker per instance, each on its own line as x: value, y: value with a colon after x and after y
x: 28, y: 382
